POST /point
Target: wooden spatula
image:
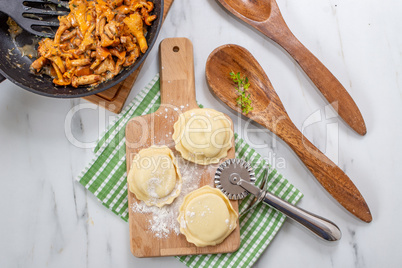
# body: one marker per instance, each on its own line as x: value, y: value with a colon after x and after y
x: 266, y: 17
x: 270, y: 113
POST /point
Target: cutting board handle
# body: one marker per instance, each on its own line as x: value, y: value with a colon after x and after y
x: 177, y: 73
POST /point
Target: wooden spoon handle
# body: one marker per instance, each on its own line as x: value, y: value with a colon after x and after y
x: 329, y: 175
x: 326, y: 82
x: 276, y: 29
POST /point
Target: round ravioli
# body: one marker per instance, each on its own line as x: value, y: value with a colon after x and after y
x: 203, y: 136
x: 206, y: 217
x: 154, y: 176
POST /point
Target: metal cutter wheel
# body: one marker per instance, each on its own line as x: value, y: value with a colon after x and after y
x: 235, y: 178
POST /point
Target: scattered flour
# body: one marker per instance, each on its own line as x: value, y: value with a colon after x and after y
x: 152, y: 184
x: 163, y: 221
x: 190, y: 214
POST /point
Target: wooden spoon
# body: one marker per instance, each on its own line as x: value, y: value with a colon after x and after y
x: 266, y: 17
x: 269, y: 112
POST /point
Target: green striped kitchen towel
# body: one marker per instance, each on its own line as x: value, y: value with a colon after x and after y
x: 105, y: 177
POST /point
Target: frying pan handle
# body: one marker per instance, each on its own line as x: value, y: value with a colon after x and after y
x: 318, y: 225
x: 2, y: 78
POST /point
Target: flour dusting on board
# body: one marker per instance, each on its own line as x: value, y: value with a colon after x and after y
x: 163, y: 221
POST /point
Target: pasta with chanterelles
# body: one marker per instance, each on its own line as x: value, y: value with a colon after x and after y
x: 95, y: 41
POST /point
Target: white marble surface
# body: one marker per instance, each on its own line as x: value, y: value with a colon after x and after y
x: 50, y: 220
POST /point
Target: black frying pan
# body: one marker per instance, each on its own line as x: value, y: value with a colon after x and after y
x: 15, y: 68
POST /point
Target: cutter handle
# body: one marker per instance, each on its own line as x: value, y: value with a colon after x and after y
x: 323, y: 228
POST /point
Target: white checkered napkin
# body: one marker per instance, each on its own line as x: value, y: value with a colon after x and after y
x: 106, y: 177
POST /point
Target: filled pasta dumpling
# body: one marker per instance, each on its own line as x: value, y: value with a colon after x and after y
x: 206, y: 217
x: 203, y: 136
x: 154, y: 176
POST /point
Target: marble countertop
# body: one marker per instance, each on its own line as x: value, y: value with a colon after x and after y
x: 50, y: 220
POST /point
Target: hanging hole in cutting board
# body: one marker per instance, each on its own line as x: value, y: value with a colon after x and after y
x: 176, y: 49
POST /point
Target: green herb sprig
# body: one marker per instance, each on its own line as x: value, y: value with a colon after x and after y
x: 243, y: 100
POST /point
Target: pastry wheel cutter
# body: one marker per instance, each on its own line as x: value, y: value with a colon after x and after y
x: 235, y: 178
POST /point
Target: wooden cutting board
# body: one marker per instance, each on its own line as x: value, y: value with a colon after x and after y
x: 177, y: 94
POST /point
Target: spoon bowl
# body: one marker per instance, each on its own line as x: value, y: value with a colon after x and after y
x: 269, y: 112
x: 256, y: 10
x: 220, y: 65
